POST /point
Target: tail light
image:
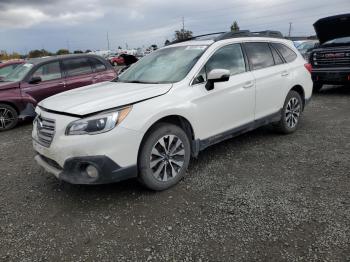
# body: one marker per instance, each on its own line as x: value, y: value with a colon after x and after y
x: 308, y: 67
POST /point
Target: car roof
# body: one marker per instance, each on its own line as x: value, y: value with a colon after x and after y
x: 60, y: 57
x: 232, y: 40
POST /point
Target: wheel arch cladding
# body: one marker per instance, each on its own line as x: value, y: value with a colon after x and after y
x: 177, y: 120
x: 300, y: 90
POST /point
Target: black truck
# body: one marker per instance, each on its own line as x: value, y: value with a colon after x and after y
x: 331, y: 61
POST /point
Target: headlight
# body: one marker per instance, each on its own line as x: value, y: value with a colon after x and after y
x: 97, y: 124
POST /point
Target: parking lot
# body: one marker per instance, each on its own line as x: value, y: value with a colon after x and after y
x: 260, y: 196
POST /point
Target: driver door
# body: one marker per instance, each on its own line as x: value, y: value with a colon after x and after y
x: 230, y: 104
x: 51, y: 81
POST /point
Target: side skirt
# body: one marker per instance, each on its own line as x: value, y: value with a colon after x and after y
x: 200, y: 145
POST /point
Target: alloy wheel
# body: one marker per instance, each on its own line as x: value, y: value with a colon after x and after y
x: 6, y: 118
x: 292, y: 113
x: 167, y: 157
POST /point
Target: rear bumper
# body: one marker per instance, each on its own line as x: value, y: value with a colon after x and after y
x: 74, y: 170
x: 331, y: 76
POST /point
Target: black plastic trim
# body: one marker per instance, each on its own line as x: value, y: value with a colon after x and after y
x: 109, y: 172
x: 203, y: 144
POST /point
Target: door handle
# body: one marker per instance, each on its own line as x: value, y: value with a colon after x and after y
x: 248, y: 84
x: 285, y: 73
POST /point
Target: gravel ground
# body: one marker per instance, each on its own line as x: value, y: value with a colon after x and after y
x: 259, y: 197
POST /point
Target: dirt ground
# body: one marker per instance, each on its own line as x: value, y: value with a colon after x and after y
x: 258, y: 197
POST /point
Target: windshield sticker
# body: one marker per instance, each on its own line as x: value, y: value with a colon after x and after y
x: 196, y: 47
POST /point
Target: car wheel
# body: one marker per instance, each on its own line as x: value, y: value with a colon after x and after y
x: 291, y: 113
x: 317, y: 87
x: 164, y: 157
x: 8, y: 117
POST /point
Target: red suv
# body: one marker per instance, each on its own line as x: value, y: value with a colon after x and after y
x: 40, y: 78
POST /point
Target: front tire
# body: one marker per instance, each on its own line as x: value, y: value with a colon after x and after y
x: 291, y: 113
x: 164, y: 157
x: 8, y: 117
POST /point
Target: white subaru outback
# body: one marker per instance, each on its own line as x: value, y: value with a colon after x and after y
x: 169, y: 106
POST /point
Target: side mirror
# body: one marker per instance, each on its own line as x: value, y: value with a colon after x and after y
x: 217, y: 75
x: 35, y: 80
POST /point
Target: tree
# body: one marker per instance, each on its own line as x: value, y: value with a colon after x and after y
x: 38, y: 53
x: 234, y: 27
x: 78, y: 52
x: 62, y: 52
x: 167, y: 42
x: 154, y: 47
x: 87, y: 51
x: 6, y: 56
x: 182, y: 34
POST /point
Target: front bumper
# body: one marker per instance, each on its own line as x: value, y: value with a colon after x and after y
x: 331, y: 76
x: 74, y: 170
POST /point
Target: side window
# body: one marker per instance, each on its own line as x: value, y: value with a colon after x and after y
x: 288, y: 54
x: 276, y: 56
x: 259, y: 55
x: 49, y: 71
x: 228, y: 57
x: 77, y: 66
x: 97, y: 65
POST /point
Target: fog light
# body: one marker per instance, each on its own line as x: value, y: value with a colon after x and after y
x: 91, y: 171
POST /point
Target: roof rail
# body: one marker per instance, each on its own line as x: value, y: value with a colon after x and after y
x: 195, y: 37
x: 228, y: 35
x: 247, y: 33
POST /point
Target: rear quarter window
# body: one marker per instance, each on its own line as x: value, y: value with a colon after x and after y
x: 288, y: 54
x: 97, y: 65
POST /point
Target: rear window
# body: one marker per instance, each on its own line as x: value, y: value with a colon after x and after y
x: 97, y: 65
x: 77, y: 66
x: 288, y: 54
x: 259, y: 55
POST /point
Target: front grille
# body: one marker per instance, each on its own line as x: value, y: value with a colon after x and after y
x: 331, y: 58
x: 45, y: 130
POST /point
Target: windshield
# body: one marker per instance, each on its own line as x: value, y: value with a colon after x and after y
x: 19, y: 73
x: 168, y: 65
x: 341, y: 40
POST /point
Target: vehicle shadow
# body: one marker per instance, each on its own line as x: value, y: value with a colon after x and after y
x: 335, y: 90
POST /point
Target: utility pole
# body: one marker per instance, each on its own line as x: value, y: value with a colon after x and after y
x: 290, y: 29
x: 183, y: 24
x: 68, y: 45
x: 107, y: 41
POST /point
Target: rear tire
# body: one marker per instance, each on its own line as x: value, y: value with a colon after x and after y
x: 8, y: 117
x: 317, y: 87
x: 291, y: 113
x: 164, y: 157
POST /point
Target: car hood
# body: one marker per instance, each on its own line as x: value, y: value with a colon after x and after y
x: 332, y: 27
x: 102, y: 96
x: 8, y: 85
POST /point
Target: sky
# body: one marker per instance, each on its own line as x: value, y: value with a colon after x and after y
x: 84, y: 24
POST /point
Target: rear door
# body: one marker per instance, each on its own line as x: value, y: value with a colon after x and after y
x: 78, y: 72
x: 102, y: 73
x: 52, y: 81
x: 271, y: 77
